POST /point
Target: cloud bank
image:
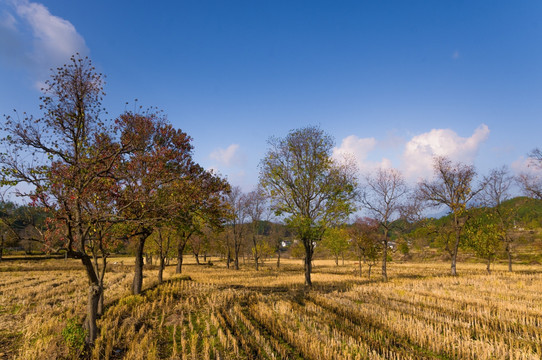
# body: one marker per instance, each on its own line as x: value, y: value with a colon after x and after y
x: 419, y: 151
x: 416, y: 160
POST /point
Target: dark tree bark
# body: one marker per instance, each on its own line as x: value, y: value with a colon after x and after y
x: 138, y: 273
x: 309, y: 250
x: 180, y: 250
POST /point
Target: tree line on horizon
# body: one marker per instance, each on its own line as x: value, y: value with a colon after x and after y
x: 99, y: 184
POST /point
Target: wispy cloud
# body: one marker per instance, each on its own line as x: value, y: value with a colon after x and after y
x: 34, y: 38
x: 228, y: 157
x: 420, y: 150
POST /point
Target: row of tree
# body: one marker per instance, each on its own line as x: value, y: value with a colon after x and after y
x: 100, y: 183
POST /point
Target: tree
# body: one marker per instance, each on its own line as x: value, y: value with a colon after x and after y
x: 495, y: 192
x: 237, y: 217
x: 307, y: 186
x: 63, y: 154
x: 452, y: 186
x: 532, y: 183
x: 366, y: 241
x: 484, y: 235
x: 255, y: 202
x: 382, y: 197
x: 159, y: 167
x: 202, y: 205
x: 336, y: 241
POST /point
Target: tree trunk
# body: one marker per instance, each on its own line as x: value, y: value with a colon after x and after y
x: 278, y: 259
x: 456, y: 246
x: 205, y: 257
x: 256, y: 262
x: 385, y: 259
x: 236, y: 260
x: 148, y: 259
x: 138, y: 273
x: 488, y: 265
x: 308, y: 262
x: 1, y: 247
x: 342, y: 256
x: 197, y: 258
x: 336, y: 260
x: 161, y: 269
x: 360, y: 266
x: 94, y: 292
x: 180, y: 250
x: 509, y: 254
x: 370, y: 266
x: 228, y: 258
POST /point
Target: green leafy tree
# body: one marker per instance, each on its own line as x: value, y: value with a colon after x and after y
x: 366, y: 241
x: 336, y: 241
x: 484, y: 235
x: 306, y: 186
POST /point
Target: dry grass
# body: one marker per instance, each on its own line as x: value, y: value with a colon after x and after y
x: 226, y: 314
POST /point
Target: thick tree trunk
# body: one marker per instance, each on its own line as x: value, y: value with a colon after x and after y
x: 308, y: 262
x: 278, y: 259
x: 94, y: 292
x: 137, y: 284
x: 197, y: 258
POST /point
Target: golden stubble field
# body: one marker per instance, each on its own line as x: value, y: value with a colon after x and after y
x: 216, y: 313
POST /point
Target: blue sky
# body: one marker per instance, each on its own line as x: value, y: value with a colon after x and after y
x: 394, y: 82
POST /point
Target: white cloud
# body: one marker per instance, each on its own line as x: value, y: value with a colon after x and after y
x: 29, y: 31
x: 227, y: 157
x: 420, y: 150
x: 359, y: 149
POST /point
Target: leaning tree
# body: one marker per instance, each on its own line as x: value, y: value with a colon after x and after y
x: 307, y: 186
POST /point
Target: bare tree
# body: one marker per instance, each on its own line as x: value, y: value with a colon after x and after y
x: 495, y: 192
x: 238, y: 215
x: 531, y: 183
x: 382, y: 197
x: 452, y: 186
x: 255, y: 206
